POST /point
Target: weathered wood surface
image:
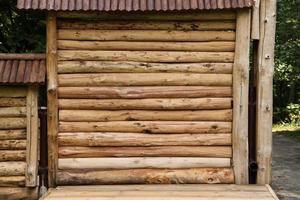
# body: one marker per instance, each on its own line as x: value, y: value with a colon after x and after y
x: 141, y: 139
x: 12, y: 123
x: 144, y: 79
x: 17, y: 193
x: 145, y: 35
x: 12, y: 181
x: 140, y: 163
x: 144, y: 92
x: 147, y: 127
x: 18, y: 56
x: 12, y: 102
x: 148, y: 25
x: 142, y: 115
x: 240, y: 98
x: 12, y: 91
x: 171, y: 151
x: 12, y: 168
x: 139, y: 67
x: 12, y: 112
x: 264, y: 91
x: 13, y: 144
x: 149, y: 176
x: 12, y: 155
x: 12, y: 134
x: 149, y: 46
x: 147, y: 56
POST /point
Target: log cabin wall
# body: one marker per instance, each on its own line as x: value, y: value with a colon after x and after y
x: 145, y: 100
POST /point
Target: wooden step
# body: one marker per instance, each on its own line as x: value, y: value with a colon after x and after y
x: 162, y: 192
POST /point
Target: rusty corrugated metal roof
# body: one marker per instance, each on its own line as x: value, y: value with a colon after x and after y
x: 132, y: 5
x: 22, y: 68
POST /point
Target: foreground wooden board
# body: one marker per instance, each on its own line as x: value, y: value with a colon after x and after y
x: 162, y: 192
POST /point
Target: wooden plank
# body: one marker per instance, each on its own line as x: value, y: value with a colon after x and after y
x: 221, y: 15
x: 12, y: 144
x: 148, y: 25
x: 142, y: 115
x: 272, y: 192
x: 52, y: 117
x: 240, y: 98
x: 12, y: 168
x: 146, y: 104
x: 147, y: 56
x: 94, y: 139
x: 149, y: 176
x: 12, y: 181
x: 65, y: 67
x: 12, y: 111
x: 264, y: 91
x: 18, y: 56
x: 144, y: 79
x: 255, y: 20
x: 147, y: 46
x: 12, y: 134
x: 147, y: 127
x: 143, y: 92
x: 13, y: 123
x: 13, y: 91
x: 32, y: 156
x: 171, y: 151
x: 12, y: 102
x: 12, y: 155
x: 138, y: 162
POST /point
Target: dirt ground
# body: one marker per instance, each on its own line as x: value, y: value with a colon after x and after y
x: 286, y: 166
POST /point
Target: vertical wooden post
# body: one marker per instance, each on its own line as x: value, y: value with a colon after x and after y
x: 255, y: 20
x: 264, y: 90
x: 52, y: 97
x: 240, y: 97
x: 32, y: 136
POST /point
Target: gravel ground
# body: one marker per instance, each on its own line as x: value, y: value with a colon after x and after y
x: 286, y: 166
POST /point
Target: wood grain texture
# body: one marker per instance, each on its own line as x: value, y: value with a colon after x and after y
x: 13, y: 123
x: 12, y: 168
x: 12, y: 144
x: 12, y: 134
x: 12, y: 181
x: 12, y: 155
x: 12, y: 111
x: 12, y: 102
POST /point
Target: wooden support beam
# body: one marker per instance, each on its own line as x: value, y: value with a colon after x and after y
x: 265, y: 90
x: 255, y: 20
x: 52, y: 96
x: 32, y: 137
x: 240, y: 97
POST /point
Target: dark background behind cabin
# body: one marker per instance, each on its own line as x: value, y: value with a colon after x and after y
x: 23, y: 31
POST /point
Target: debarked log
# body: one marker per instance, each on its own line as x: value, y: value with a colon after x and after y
x: 8, y: 102
x: 148, y: 176
x: 12, y: 168
x: 14, y: 134
x: 159, y: 151
x: 144, y: 79
x: 12, y: 155
x: 11, y: 181
x: 12, y: 144
x: 146, y: 104
x: 94, y: 139
x: 147, y: 127
x: 142, y: 115
x: 12, y: 112
x: 12, y: 123
x: 144, y: 92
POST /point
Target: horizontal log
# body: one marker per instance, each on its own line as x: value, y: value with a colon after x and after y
x: 144, y: 79
x: 148, y: 25
x: 145, y: 35
x: 12, y: 134
x: 140, y: 163
x: 12, y: 168
x: 12, y: 102
x: 147, y: 127
x: 11, y: 181
x: 147, y: 56
x: 12, y: 111
x: 147, y: 46
x: 142, y: 115
x: 141, y: 139
x: 138, y: 67
x: 167, y: 16
x: 143, y: 92
x: 12, y: 155
x: 13, y: 91
x: 13, y: 123
x: 149, y: 176
x: 12, y: 144
x: 17, y: 193
x: 146, y: 104
x: 23, y: 56
x: 167, y: 151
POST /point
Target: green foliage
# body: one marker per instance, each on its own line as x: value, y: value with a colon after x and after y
x: 21, y: 31
x: 287, y: 62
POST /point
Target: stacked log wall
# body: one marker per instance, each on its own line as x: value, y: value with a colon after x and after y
x: 145, y: 101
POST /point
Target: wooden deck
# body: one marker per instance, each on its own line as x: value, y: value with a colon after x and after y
x: 162, y: 192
